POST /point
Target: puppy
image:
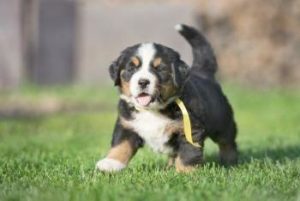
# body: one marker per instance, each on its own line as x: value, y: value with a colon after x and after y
x: 150, y: 77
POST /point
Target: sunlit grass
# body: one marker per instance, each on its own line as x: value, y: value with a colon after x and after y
x: 53, y: 157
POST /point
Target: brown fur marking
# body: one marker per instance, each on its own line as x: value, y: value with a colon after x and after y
x: 168, y: 90
x: 174, y: 127
x: 171, y: 162
x: 156, y: 62
x: 124, y: 86
x: 180, y: 167
x: 125, y: 123
x: 121, y: 152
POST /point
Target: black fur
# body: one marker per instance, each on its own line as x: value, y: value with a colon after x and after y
x: 210, y: 112
x: 120, y: 63
x: 178, y: 67
x: 121, y: 134
x: 204, y: 62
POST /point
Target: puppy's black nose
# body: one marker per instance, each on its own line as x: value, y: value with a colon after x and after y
x: 143, y: 83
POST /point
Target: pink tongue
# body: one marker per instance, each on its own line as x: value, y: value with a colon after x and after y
x: 143, y: 100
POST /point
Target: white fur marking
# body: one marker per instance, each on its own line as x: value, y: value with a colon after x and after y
x: 109, y: 165
x: 178, y: 27
x: 150, y: 125
x: 146, y: 52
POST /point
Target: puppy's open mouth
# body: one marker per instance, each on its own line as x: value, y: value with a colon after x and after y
x: 144, y: 99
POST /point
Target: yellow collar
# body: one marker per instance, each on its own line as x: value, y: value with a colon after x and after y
x: 186, y: 123
x: 187, y: 128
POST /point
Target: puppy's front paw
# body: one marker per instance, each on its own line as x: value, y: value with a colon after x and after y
x: 109, y: 165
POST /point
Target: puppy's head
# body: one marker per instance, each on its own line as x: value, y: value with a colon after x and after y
x: 149, y: 75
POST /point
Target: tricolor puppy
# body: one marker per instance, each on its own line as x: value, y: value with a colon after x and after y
x: 151, y: 77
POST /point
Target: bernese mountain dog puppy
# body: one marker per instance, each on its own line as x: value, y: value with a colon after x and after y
x: 150, y: 77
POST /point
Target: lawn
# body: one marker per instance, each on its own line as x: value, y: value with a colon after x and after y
x: 52, y: 157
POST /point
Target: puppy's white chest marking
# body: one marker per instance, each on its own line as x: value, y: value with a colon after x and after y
x: 152, y: 127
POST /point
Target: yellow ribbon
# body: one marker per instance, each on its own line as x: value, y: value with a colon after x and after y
x: 186, y: 123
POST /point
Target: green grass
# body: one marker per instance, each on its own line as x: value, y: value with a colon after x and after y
x: 53, y: 157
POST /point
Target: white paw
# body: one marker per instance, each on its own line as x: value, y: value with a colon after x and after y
x: 109, y: 165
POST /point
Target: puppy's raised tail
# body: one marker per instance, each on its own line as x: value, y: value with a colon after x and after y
x: 204, y: 60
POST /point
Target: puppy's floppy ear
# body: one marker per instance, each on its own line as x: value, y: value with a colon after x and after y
x: 179, y: 72
x: 115, y: 69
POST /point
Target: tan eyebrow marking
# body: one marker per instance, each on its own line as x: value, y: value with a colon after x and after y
x: 135, y: 61
x: 156, y: 62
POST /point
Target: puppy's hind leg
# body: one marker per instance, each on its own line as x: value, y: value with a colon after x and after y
x: 228, y: 148
x: 228, y: 153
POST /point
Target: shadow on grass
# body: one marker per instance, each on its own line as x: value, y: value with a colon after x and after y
x: 276, y: 154
x: 247, y: 156
x: 291, y: 152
